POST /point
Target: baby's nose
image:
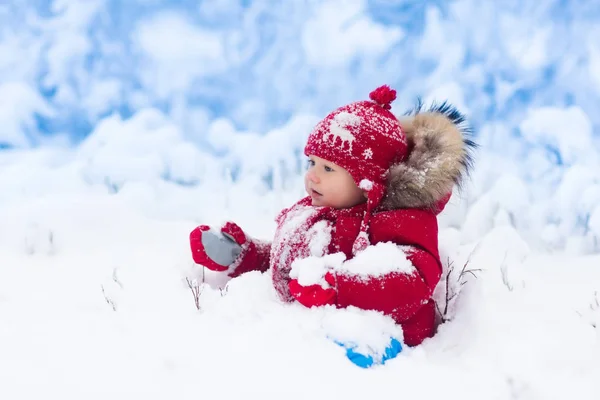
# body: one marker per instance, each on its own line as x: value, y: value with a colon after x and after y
x: 312, y: 176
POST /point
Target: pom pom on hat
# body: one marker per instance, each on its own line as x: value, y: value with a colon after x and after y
x: 384, y: 96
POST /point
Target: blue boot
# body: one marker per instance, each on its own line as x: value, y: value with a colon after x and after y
x: 368, y: 360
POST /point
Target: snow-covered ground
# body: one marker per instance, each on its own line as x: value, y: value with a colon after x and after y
x: 94, y: 302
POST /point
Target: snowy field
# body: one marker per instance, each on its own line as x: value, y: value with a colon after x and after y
x: 94, y: 302
x: 122, y: 127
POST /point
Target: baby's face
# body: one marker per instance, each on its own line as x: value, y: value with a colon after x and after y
x: 330, y: 185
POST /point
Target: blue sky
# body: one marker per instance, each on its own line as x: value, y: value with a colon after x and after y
x: 67, y: 64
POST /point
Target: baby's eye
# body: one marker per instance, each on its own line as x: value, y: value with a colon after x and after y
x: 328, y: 169
x: 310, y: 163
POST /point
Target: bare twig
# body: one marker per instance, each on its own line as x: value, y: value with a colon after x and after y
x: 504, y: 274
x: 448, y: 296
x: 451, y: 293
x: 437, y: 308
x: 592, y: 312
x: 224, y: 290
x: 51, y: 242
x: 596, y: 302
x: 115, y: 279
x: 109, y: 301
x: 595, y: 307
x: 471, y: 271
x: 196, y: 290
x: 196, y: 287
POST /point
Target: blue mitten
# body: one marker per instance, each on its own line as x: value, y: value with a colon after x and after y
x: 369, y: 337
x: 366, y: 359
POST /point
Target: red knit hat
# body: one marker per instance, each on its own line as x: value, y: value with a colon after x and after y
x: 366, y: 139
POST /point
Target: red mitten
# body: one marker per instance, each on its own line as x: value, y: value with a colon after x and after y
x: 217, y: 250
x: 314, y: 295
x: 234, y: 232
x: 228, y: 250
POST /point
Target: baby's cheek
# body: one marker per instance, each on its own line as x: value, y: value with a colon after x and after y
x: 336, y: 190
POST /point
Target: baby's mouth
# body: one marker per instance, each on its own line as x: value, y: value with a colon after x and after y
x: 316, y: 193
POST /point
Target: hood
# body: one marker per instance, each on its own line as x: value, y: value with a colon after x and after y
x: 440, y: 157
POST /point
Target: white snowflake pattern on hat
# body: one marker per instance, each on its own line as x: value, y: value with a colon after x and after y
x: 338, y: 128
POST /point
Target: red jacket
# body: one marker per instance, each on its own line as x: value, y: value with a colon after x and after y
x: 406, y: 298
x: 417, y: 189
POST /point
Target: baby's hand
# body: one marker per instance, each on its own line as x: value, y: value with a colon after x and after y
x: 313, y: 282
x: 216, y: 250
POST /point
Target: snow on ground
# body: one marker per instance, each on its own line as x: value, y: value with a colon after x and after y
x: 94, y: 303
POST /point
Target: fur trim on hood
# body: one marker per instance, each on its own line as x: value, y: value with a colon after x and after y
x: 440, y: 156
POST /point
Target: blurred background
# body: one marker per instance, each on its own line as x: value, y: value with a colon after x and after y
x: 173, y: 104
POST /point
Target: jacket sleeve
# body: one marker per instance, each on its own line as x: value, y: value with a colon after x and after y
x: 399, y: 294
x: 254, y: 258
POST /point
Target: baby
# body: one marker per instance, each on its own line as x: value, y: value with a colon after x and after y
x: 372, y: 180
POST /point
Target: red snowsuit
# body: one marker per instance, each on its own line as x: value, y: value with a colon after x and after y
x: 404, y: 297
x: 416, y: 190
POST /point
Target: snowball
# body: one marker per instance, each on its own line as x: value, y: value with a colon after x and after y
x: 312, y: 270
x: 378, y: 260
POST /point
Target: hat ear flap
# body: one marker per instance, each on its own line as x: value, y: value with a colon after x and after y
x: 374, y: 195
